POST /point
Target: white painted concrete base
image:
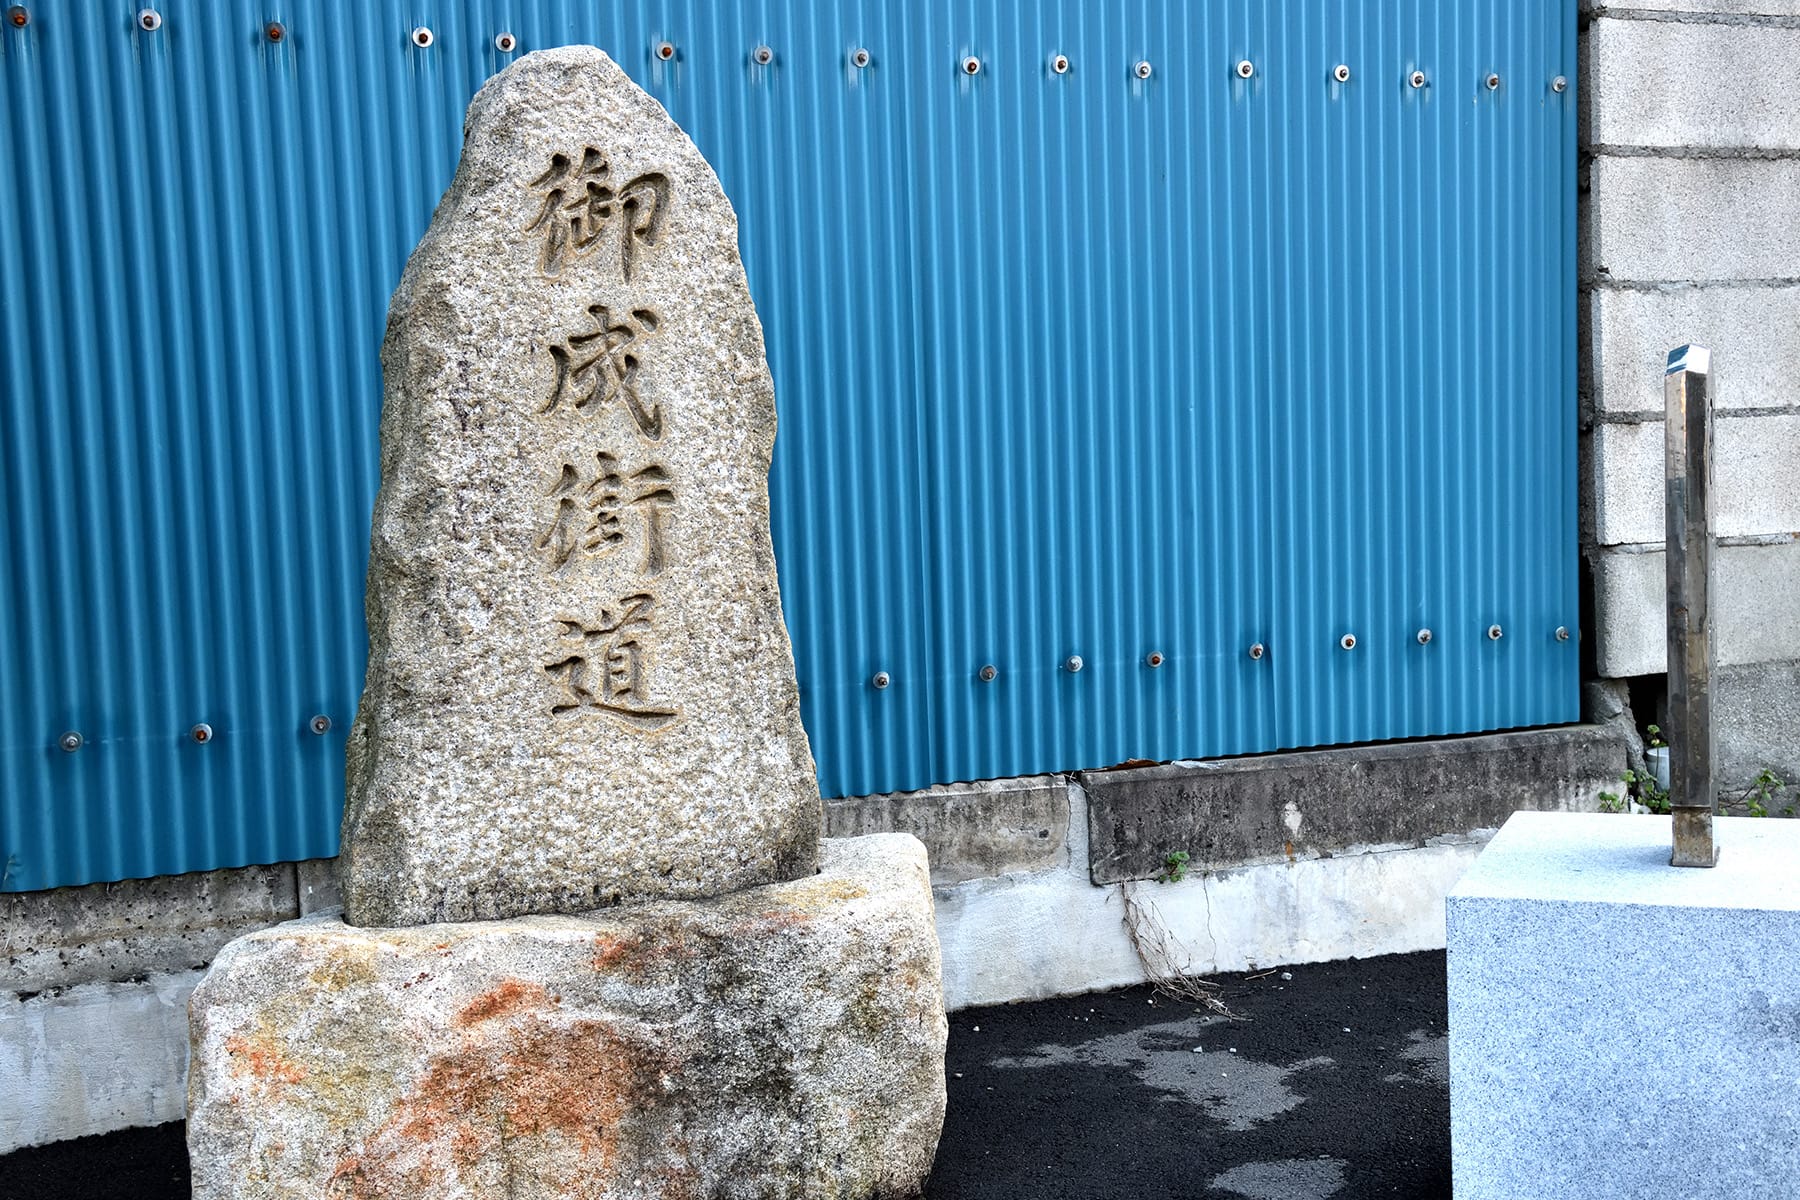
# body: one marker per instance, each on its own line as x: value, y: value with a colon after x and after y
x: 1031, y: 937
x: 93, y: 1058
x: 1053, y: 933
x: 100, y: 1057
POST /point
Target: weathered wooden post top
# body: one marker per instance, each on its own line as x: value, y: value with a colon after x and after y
x: 1687, y: 458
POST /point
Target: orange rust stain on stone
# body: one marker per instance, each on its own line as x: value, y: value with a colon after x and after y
x: 494, y: 1099
x: 637, y: 954
x: 509, y: 997
x: 611, y: 951
x: 262, y: 1060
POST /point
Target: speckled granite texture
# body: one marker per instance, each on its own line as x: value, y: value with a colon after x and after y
x: 580, y: 690
x: 783, y: 1041
x: 1621, y: 1028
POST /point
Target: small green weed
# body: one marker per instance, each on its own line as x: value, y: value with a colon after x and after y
x: 1651, y: 794
x: 1759, y: 798
x: 1640, y: 788
x: 1175, y: 867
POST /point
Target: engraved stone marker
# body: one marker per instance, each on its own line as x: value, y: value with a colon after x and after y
x: 579, y: 692
x: 580, y: 688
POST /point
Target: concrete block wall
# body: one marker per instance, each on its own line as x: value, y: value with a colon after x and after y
x: 94, y: 984
x: 1691, y: 233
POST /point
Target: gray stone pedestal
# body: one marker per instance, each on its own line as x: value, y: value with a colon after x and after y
x: 783, y: 1041
x: 1622, y: 1028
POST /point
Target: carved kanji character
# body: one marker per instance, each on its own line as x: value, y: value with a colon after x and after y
x: 580, y: 202
x: 607, y: 674
x: 588, y: 508
x: 600, y: 366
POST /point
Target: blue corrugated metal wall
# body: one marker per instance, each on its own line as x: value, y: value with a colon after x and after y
x: 1069, y: 364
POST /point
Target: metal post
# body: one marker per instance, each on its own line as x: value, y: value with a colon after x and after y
x: 1687, y: 489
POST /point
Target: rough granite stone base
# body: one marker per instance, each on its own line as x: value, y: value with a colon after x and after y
x: 783, y: 1041
x: 1619, y: 1027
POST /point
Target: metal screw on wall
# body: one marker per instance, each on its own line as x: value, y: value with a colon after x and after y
x: 320, y: 724
x: 859, y: 58
x: 1257, y: 651
x: 763, y: 56
x: 989, y: 673
x: 1348, y: 641
x: 881, y: 681
x: 1246, y: 69
x: 1562, y: 633
x: 422, y: 37
x: 505, y: 43
x: 1416, y: 79
x: 1494, y: 632
x: 1341, y: 73
x: 971, y: 65
x: 1559, y: 85
x: 201, y: 733
x: 149, y: 20
x: 1143, y: 69
x: 1493, y: 83
x: 275, y: 31
x: 1424, y: 636
x: 1059, y: 63
x: 18, y: 16
x: 665, y: 50
x: 1073, y: 663
x: 1153, y: 659
x: 69, y: 742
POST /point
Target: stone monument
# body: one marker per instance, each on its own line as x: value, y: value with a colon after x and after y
x: 593, y: 945
x: 580, y: 689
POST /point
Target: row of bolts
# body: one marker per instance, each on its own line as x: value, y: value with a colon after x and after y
x: 1258, y: 651
x: 200, y: 734
x: 149, y: 20
x: 203, y: 733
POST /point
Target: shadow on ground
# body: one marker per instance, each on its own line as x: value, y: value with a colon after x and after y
x: 1334, y: 1086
